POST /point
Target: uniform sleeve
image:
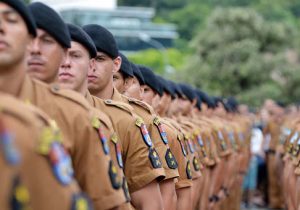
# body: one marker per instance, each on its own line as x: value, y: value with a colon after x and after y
x: 138, y: 168
x: 93, y: 167
x: 177, y: 149
x: 165, y: 153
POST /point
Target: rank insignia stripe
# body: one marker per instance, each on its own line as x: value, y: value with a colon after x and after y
x: 154, y: 158
x: 183, y: 148
x: 171, y: 160
x: 81, y: 202
x: 191, y: 146
x: 126, y: 190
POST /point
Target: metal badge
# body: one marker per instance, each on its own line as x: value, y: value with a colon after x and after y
x: 154, y: 158
x: 61, y: 163
x: 170, y: 159
x: 81, y: 202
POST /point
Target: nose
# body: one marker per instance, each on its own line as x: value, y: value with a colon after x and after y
x: 35, y: 47
x: 66, y: 64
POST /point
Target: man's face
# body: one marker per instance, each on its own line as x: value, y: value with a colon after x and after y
x: 148, y: 94
x: 165, y: 102
x: 102, y: 73
x: 74, y: 69
x: 121, y: 83
x: 45, y: 57
x: 185, y: 106
x: 14, y: 38
x: 134, y: 90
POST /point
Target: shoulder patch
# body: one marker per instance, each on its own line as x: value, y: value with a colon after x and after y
x: 120, y: 105
x: 71, y: 95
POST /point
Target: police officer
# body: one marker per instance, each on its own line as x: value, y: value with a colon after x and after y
x: 17, y: 31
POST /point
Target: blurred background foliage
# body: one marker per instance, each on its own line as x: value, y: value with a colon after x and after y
x: 245, y: 48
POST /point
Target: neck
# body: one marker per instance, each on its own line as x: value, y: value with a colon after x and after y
x: 83, y: 89
x: 11, y: 80
x: 105, y: 93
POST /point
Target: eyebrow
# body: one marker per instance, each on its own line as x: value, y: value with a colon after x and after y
x: 8, y: 11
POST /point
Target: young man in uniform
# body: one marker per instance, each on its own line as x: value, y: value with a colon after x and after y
x: 82, y: 144
x: 136, y: 157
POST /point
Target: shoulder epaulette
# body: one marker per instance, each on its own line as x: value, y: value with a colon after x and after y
x: 120, y: 105
x: 71, y: 95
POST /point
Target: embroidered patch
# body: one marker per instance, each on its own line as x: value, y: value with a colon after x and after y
x: 103, y: 140
x: 20, y: 197
x: 196, y: 164
x: 81, y: 202
x: 8, y: 147
x: 188, y: 170
x: 113, y: 174
x: 221, y: 138
x: 181, y: 144
x: 154, y: 158
x: 61, y: 163
x: 146, y: 135
x: 114, y: 139
x: 191, y: 146
x: 126, y: 190
x: 170, y: 159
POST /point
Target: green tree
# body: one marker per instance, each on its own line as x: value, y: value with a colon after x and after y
x: 240, y: 53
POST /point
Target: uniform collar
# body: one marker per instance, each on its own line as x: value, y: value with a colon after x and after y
x: 117, y: 96
x: 27, y: 90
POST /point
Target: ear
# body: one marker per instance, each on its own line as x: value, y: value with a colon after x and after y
x: 128, y: 83
x: 117, y: 64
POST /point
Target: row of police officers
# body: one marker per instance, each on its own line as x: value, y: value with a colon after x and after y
x: 82, y: 127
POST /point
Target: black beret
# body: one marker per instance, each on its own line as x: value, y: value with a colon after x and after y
x: 206, y: 99
x: 50, y: 21
x: 233, y: 103
x: 164, y: 84
x: 199, y: 101
x: 172, y: 89
x: 22, y: 9
x: 188, y: 91
x: 125, y: 66
x: 176, y: 89
x: 103, y: 40
x: 150, y: 79
x: 137, y: 73
x: 80, y: 36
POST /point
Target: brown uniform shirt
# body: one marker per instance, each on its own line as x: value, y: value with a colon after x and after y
x: 73, y: 116
x: 157, y: 134
x: 141, y: 162
x: 35, y: 169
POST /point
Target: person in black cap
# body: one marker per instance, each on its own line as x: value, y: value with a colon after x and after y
x: 141, y: 167
x: 107, y: 62
x: 74, y: 69
x: 189, y: 101
x: 135, y: 90
x: 124, y: 77
x: 152, y: 89
x: 50, y: 46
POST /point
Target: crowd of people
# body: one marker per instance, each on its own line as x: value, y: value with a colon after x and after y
x: 82, y: 127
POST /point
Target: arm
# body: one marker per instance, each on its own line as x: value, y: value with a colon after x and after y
x: 148, y: 197
x: 184, y: 196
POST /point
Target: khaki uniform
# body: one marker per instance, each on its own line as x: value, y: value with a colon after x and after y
x: 274, y: 189
x: 73, y: 116
x: 156, y: 131
x: 35, y: 169
x: 141, y: 161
